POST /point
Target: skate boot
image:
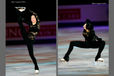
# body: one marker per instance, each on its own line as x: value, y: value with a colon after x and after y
x: 99, y: 59
x: 65, y: 59
x: 37, y: 70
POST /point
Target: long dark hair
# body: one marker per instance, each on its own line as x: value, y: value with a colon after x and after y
x: 89, y: 25
x: 36, y: 16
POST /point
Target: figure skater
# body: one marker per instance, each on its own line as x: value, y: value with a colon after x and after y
x: 31, y: 18
x: 91, y: 41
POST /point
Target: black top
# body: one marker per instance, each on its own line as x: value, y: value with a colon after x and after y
x: 90, y: 36
x: 34, y: 28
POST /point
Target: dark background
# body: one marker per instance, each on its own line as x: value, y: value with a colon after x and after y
x: 81, y: 2
x: 78, y: 2
x: 46, y: 9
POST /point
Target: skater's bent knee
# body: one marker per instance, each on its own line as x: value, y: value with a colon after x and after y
x: 72, y: 42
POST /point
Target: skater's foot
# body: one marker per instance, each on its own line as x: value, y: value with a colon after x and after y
x: 65, y: 59
x: 100, y: 60
x: 36, y: 71
x: 21, y: 9
x: 97, y: 57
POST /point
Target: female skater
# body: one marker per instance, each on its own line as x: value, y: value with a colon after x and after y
x: 91, y: 41
x: 31, y: 18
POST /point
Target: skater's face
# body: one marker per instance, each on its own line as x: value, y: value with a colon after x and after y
x: 33, y: 19
x: 84, y: 26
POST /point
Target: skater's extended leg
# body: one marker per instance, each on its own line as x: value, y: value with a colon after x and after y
x: 101, y: 47
x: 81, y: 44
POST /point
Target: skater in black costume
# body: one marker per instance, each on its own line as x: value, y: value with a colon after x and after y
x: 31, y: 18
x: 91, y: 41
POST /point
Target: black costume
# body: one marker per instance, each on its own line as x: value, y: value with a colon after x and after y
x: 29, y: 37
x: 91, y: 41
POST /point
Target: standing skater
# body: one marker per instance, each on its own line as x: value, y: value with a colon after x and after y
x: 91, y: 41
x: 31, y: 18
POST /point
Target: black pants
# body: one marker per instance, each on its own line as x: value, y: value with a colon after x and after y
x: 82, y: 44
x: 28, y: 41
